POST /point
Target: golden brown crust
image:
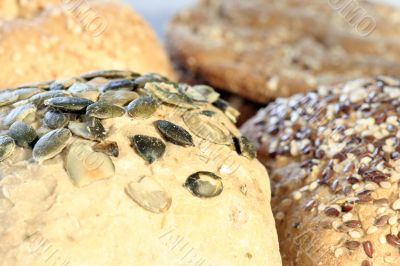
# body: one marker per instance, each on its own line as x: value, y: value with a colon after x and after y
x: 55, y: 43
x: 66, y: 201
x: 265, y: 49
x: 333, y: 157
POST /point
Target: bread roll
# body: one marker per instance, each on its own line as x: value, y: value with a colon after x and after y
x: 65, y: 40
x: 333, y: 157
x: 10, y: 9
x: 128, y: 169
x: 266, y: 49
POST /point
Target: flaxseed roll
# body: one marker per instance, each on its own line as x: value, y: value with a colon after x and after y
x: 263, y: 49
x: 116, y: 168
x: 333, y: 156
x: 70, y: 37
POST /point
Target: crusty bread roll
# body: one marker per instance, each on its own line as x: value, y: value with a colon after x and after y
x: 10, y: 9
x: 65, y: 40
x: 333, y: 157
x: 266, y: 49
x: 112, y: 168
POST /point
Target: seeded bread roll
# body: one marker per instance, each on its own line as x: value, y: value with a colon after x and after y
x: 65, y: 40
x: 25, y: 8
x: 333, y: 157
x: 114, y: 168
x: 265, y: 49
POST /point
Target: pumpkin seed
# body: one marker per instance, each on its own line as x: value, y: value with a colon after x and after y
x: 149, y: 148
x: 119, y: 84
x: 92, y: 129
x: 63, y: 84
x: 7, y: 147
x: 141, y: 81
x: 208, y: 113
x: 193, y: 94
x: 19, y: 113
x: 38, y: 99
x: 149, y: 194
x: 174, y: 133
x: 120, y: 98
x: 51, y: 144
x: 55, y: 119
x: 207, y: 128
x: 208, y: 93
x: 204, y: 184
x: 228, y: 110
x: 26, y: 93
x: 104, y: 110
x: 7, y: 98
x: 23, y: 134
x: 109, y: 74
x: 108, y: 147
x: 68, y: 103
x: 85, y: 166
x: 244, y: 147
x: 84, y: 90
x: 43, y: 85
x: 96, y: 128
x: 161, y: 91
x: 142, y: 107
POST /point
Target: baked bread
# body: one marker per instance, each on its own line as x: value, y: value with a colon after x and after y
x: 129, y: 169
x: 263, y: 49
x: 62, y: 41
x: 333, y: 157
x: 10, y: 9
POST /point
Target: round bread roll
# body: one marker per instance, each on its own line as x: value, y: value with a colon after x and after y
x: 266, y: 49
x: 333, y: 156
x: 68, y: 39
x: 10, y: 9
x: 114, y: 168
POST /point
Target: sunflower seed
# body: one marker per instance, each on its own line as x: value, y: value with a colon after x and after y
x: 142, y: 107
x: 149, y: 194
x: 244, y: 147
x: 208, y: 92
x: 7, y: 98
x: 55, y: 119
x: 119, y: 84
x: 19, y: 113
x: 23, y: 134
x: 161, y: 91
x: 108, y: 147
x: 120, y: 98
x: 104, y: 110
x: 207, y: 128
x: 174, y: 133
x: 51, y: 144
x: 7, y: 146
x: 204, y: 184
x: 84, y: 166
x: 63, y: 84
x: 109, y: 74
x: 38, y: 99
x: 68, y: 103
x: 149, y: 148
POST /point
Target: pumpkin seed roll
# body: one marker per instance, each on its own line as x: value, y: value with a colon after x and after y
x: 113, y: 168
x: 333, y: 155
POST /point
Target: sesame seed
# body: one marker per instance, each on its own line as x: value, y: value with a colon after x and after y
x: 382, y: 239
x: 381, y: 210
x: 297, y: 195
x: 396, y: 205
x: 385, y: 184
x: 392, y: 220
x: 347, y: 217
x: 372, y: 229
x: 286, y: 202
x: 394, y: 230
x: 339, y: 252
x: 313, y: 186
x: 355, y: 234
x: 280, y: 216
